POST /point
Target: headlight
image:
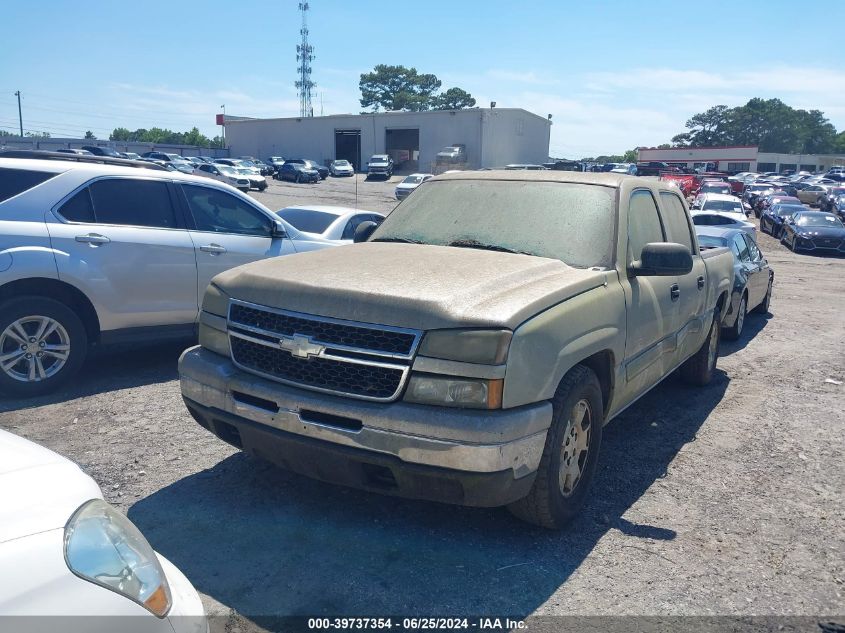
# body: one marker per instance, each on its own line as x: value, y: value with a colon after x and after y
x: 486, y: 347
x: 471, y: 393
x: 104, y: 547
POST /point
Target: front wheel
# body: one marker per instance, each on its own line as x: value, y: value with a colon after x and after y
x: 698, y: 369
x: 43, y: 343
x: 570, y: 455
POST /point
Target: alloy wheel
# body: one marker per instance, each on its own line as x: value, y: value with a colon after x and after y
x: 575, y: 448
x: 33, y: 348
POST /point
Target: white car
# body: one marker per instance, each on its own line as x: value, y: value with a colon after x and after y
x: 67, y: 554
x: 96, y: 253
x: 404, y: 188
x: 337, y: 224
x: 226, y: 174
x: 625, y: 168
x: 256, y: 181
x: 341, y: 168
x: 724, y: 221
x: 723, y: 203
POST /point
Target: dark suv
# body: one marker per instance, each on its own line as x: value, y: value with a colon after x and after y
x: 101, y: 151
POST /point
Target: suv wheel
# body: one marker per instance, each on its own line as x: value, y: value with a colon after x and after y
x: 42, y: 344
x: 570, y: 454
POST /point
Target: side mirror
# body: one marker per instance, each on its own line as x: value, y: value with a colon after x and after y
x: 363, y: 231
x: 663, y: 259
x: 278, y: 229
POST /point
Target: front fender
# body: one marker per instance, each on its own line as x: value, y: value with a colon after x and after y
x: 551, y: 343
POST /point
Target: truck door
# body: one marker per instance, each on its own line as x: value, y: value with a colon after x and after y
x: 651, y: 303
x: 690, y: 326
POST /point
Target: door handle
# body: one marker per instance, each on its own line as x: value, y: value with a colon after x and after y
x: 214, y: 249
x: 700, y: 281
x: 93, y: 239
x: 675, y: 292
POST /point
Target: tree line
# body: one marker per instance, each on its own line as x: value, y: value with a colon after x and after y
x: 163, y: 136
x: 769, y: 124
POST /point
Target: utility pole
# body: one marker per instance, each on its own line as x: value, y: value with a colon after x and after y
x: 223, y: 126
x: 304, y: 55
x: 20, y: 116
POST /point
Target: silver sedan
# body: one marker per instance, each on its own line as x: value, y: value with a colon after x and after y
x: 337, y: 224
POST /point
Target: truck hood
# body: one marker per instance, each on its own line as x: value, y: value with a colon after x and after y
x: 39, y: 489
x: 411, y: 285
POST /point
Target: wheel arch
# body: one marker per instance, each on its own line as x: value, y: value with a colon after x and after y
x: 602, y: 364
x: 59, y: 291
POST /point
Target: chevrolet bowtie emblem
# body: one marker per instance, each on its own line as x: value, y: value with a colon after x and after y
x: 300, y: 346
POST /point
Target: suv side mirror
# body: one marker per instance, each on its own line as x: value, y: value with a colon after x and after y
x: 363, y: 231
x: 663, y: 259
x: 278, y: 229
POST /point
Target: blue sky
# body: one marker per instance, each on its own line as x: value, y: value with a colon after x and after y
x: 613, y: 74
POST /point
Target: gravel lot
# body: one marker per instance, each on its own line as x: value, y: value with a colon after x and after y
x: 722, y: 500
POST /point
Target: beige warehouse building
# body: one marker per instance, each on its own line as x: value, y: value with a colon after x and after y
x: 494, y: 137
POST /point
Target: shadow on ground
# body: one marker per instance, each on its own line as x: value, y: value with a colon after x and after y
x: 110, y: 369
x: 266, y: 542
x: 754, y: 324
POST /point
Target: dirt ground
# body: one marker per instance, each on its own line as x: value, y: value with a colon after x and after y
x: 725, y: 500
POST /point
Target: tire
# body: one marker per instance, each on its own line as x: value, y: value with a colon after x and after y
x: 733, y: 332
x: 698, y: 369
x: 763, y: 308
x: 550, y: 503
x: 297, y: 179
x: 70, y: 331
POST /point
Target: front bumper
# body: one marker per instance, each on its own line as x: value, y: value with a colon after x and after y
x: 478, y: 458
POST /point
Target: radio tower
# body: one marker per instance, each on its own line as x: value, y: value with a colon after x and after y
x: 304, y: 55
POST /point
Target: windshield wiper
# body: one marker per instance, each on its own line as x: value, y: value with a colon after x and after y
x: 486, y: 247
x: 401, y: 240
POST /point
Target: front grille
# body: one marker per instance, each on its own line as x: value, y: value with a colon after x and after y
x: 368, y: 381
x: 827, y: 242
x: 347, y: 358
x: 326, y: 332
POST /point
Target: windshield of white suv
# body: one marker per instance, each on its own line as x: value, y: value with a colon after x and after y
x: 412, y: 180
x: 572, y: 222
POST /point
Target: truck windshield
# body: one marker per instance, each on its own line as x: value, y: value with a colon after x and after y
x: 572, y: 222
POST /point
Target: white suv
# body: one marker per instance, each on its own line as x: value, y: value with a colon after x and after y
x: 101, y: 253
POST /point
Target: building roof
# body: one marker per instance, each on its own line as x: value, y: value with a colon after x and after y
x: 368, y: 115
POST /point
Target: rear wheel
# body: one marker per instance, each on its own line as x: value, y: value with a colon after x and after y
x: 698, y: 369
x: 43, y: 343
x: 733, y: 332
x: 763, y: 308
x: 570, y: 455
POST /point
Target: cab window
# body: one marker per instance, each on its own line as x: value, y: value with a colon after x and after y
x: 644, y: 226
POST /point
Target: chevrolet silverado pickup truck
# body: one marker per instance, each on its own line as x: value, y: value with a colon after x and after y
x: 470, y: 348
